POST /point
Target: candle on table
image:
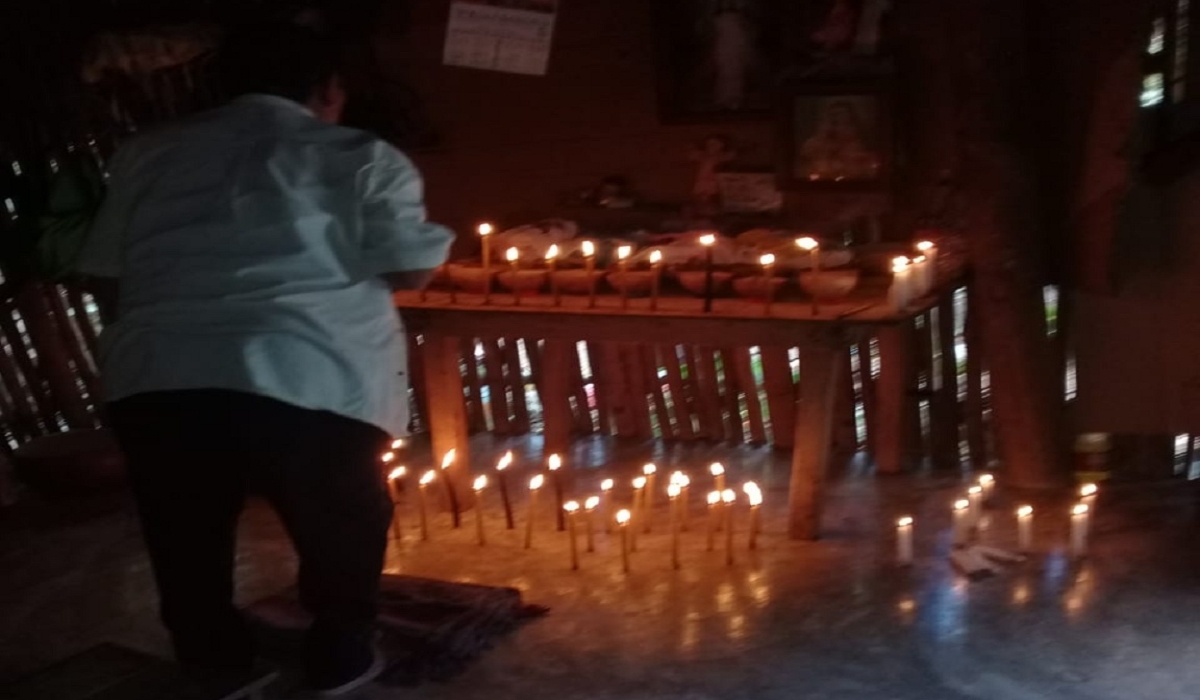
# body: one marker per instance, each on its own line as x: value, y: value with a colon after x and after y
x: 623, y: 517
x: 514, y: 262
x: 478, y: 487
x: 755, y: 498
x: 684, y: 482
x: 502, y: 481
x: 768, y: 265
x: 1079, y: 529
x: 606, y: 487
x: 962, y: 520
x: 485, y: 233
x: 552, y: 263
x: 623, y: 253
x: 975, y: 496
x: 554, y: 464
x: 426, y: 479
x: 589, y: 261
x: 589, y: 506
x: 534, y: 485
x: 394, y: 489
x: 673, y: 492
x: 988, y: 482
x: 930, y: 251
x: 813, y: 246
x: 899, y: 294
x: 639, y: 509
x: 655, y: 274
x: 447, y: 462
x: 728, y: 496
x: 714, y: 498
x: 904, y: 540
x: 1025, y: 529
x: 571, y: 508
x: 708, y: 240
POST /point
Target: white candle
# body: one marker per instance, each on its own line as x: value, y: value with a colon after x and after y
x: 513, y: 256
x: 921, y: 282
x: 639, y: 509
x: 768, y: 265
x: 1025, y: 528
x: 755, y: 498
x: 655, y: 273
x: 589, y: 506
x: 485, y: 231
x: 813, y: 246
x: 718, y: 473
x: 589, y: 259
x: 478, y: 487
x: 426, y: 479
x: 728, y: 496
x: 572, y: 508
x: 962, y: 521
x: 975, y: 496
x: 899, y: 294
x: 534, y: 485
x: 1079, y: 529
x: 623, y: 518
x: 988, y: 483
x: 623, y: 253
x: 673, y: 492
x: 930, y: 251
x: 1088, y: 494
x: 606, y: 503
x: 651, y: 473
x: 714, y: 500
x: 904, y: 540
x: 684, y: 482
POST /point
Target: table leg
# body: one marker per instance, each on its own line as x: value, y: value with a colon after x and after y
x: 447, y: 418
x: 892, y: 410
x: 819, y: 370
x: 556, y: 391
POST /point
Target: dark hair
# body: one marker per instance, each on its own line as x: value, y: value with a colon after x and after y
x: 286, y: 60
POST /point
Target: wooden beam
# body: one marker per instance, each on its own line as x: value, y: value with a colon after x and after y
x: 819, y: 373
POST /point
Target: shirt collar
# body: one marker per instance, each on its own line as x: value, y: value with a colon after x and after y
x: 273, y: 101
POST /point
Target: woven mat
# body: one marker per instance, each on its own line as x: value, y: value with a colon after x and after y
x: 430, y: 630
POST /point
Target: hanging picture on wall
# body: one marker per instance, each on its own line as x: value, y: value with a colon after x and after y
x: 836, y: 137
x: 511, y: 36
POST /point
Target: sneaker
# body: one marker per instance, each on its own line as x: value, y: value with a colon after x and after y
x: 335, y: 688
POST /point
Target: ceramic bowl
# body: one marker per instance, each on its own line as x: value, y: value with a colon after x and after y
x: 693, y: 281
x: 756, y: 287
x: 522, y: 281
x: 632, y: 282
x: 575, y: 280
x: 829, y: 285
x: 469, y: 278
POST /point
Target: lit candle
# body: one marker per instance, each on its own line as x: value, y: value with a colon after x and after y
x: 714, y: 498
x: 684, y: 482
x: 904, y: 540
x: 1079, y: 529
x: 623, y: 517
x: 501, y: 479
x: 728, y: 496
x: 571, y: 508
x: 479, y: 485
x: 930, y: 251
x: 554, y: 464
x: 1088, y: 494
x: 988, y: 482
x: 485, y: 233
x: 426, y: 479
x: 975, y: 496
x: 589, y: 261
x: 387, y: 457
x: 447, y: 462
x: 708, y: 240
x: 651, y: 473
x: 962, y: 520
x: 900, y: 291
x: 768, y: 264
x: 552, y: 263
x: 606, y: 487
x: 755, y: 498
x: 655, y: 273
x: 589, y: 506
x: 394, y: 488
x: 397, y: 444
x: 639, y: 508
x: 1025, y: 529
x: 813, y: 246
x: 534, y: 485
x: 718, y: 473
x: 921, y: 280
x: 673, y: 494
x: 623, y: 253
x: 514, y: 259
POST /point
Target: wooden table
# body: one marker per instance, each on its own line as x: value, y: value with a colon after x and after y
x: 444, y: 320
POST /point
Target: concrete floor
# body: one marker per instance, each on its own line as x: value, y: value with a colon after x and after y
x: 831, y: 619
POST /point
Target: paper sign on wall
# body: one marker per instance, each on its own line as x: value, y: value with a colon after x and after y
x: 512, y: 36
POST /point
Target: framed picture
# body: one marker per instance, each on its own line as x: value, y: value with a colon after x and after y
x: 837, y: 137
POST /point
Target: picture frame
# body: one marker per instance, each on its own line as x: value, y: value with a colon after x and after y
x: 836, y: 136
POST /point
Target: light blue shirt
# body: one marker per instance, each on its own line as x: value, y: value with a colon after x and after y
x: 249, y: 244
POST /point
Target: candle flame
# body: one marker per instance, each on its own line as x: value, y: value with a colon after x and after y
x: 554, y: 462
x: 716, y: 469
x: 974, y: 490
x: 505, y: 462
x: 656, y: 257
x: 674, y: 490
x: 925, y: 246
x: 1088, y: 490
x: 649, y: 469
x: 606, y: 485
x: 480, y: 483
x: 512, y: 254
x: 589, y: 249
x: 387, y: 457
x: 808, y: 243
x: 755, y: 497
x: 1024, y: 511
x: 623, y: 517
x: 962, y: 504
x: 678, y: 478
x: 552, y: 252
x: 639, y: 483
x: 708, y: 239
x: 919, y: 260
x: 767, y: 260
x: 536, y: 482
x: 624, y: 252
x: 899, y: 263
x: 1080, y: 509
x: 728, y: 496
x: 428, y: 477
x: 571, y: 506
x: 591, y: 502
x: 684, y: 481
x: 986, y: 478
x: 906, y: 521
x: 714, y: 497
x: 485, y: 229
x: 750, y: 487
x: 397, y: 444
x: 397, y: 473
x: 449, y: 459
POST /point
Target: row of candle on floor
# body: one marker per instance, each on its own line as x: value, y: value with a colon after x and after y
x: 721, y: 502
x: 969, y: 518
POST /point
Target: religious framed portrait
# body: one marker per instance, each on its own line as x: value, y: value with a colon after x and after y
x: 836, y: 136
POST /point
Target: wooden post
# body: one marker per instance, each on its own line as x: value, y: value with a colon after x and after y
x: 731, y: 390
x: 447, y: 418
x: 477, y: 422
x: 497, y: 395
x: 556, y: 408
x: 704, y: 371
x: 515, y: 380
x: 679, y: 398
x: 615, y: 378
x: 781, y: 395
x: 749, y: 387
x: 819, y: 370
x: 635, y: 381
x: 651, y: 364
x: 893, y: 407
x: 944, y: 408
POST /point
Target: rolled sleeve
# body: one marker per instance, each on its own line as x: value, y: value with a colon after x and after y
x: 396, y: 236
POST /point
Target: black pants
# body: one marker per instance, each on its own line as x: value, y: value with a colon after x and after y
x: 193, y: 458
